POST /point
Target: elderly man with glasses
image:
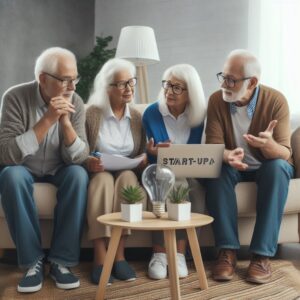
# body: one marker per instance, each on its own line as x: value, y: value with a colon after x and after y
x: 252, y: 120
x: 42, y: 139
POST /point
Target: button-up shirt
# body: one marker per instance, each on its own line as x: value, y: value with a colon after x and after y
x: 250, y: 107
x: 241, y: 119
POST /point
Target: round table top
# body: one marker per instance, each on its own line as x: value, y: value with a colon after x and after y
x: 151, y: 222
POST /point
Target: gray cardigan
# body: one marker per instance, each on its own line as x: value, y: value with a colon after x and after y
x: 18, y: 115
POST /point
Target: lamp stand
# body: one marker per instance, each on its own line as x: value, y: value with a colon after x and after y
x: 143, y: 84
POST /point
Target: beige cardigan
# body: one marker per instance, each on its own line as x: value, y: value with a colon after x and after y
x: 93, y: 119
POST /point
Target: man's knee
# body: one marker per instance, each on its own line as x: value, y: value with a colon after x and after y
x: 13, y: 176
x: 274, y: 166
x: 77, y: 175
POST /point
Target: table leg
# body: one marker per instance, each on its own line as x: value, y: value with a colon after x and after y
x: 108, y: 263
x: 171, y: 249
x: 196, y: 253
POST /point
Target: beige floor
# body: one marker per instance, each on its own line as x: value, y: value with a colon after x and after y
x: 285, y: 285
x: 287, y: 252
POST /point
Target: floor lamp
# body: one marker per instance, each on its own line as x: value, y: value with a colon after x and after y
x: 138, y: 44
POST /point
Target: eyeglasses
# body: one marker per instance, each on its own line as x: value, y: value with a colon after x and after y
x: 121, y: 85
x: 64, y: 81
x: 176, y: 89
x: 230, y: 82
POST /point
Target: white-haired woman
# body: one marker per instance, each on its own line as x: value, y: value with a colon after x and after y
x: 177, y: 117
x: 116, y: 128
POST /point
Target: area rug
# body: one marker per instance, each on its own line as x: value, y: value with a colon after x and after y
x: 285, y: 285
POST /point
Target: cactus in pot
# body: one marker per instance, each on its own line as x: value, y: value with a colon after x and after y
x: 179, y: 207
x: 179, y: 194
x: 132, y: 194
x: 131, y: 210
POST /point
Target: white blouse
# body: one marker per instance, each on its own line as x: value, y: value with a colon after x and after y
x: 115, y: 135
x: 178, y: 129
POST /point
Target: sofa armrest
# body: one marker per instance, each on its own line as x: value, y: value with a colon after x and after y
x: 296, y: 150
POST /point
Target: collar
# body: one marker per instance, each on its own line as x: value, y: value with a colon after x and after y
x: 108, y: 113
x: 250, y: 107
x: 164, y: 110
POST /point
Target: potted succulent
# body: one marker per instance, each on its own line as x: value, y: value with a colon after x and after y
x: 178, y: 206
x: 131, y: 210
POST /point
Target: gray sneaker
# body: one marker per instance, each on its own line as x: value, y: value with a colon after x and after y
x: 32, y: 280
x: 63, y: 277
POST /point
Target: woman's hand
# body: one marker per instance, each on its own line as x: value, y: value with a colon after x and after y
x: 94, y: 164
x: 153, y: 150
x: 143, y: 163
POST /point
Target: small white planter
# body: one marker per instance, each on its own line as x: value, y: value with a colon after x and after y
x: 180, y: 211
x: 131, y: 212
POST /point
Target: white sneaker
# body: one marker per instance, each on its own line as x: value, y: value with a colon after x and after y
x: 181, y: 265
x: 157, y: 268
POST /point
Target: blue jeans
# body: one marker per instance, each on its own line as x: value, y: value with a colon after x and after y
x: 272, y: 179
x: 16, y: 189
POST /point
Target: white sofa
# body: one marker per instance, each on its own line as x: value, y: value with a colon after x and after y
x: 45, y: 197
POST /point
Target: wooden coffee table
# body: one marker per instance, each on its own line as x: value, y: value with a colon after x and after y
x: 150, y: 222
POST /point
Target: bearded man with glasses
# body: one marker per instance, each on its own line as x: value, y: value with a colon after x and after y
x: 42, y: 139
x: 252, y: 120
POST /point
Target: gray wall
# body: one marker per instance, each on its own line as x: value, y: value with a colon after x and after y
x: 199, y: 32
x: 27, y: 27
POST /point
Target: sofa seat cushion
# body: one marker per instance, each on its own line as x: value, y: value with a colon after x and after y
x: 45, y: 198
x: 246, y: 195
x: 296, y: 150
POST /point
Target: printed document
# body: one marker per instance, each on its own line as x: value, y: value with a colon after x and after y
x: 112, y: 162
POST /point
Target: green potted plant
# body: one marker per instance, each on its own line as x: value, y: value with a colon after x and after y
x: 89, y: 66
x: 131, y: 209
x: 178, y: 206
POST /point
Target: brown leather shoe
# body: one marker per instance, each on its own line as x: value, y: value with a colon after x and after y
x: 259, y: 270
x: 225, y: 265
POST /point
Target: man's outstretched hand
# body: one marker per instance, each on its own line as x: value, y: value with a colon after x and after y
x: 264, y: 139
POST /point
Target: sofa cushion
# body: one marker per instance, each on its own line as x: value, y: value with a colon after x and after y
x: 296, y: 150
x: 45, y: 196
x: 246, y: 195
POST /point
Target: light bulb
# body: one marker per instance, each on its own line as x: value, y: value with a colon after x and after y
x: 158, y: 180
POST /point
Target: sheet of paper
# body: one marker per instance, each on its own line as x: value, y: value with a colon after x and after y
x: 117, y: 162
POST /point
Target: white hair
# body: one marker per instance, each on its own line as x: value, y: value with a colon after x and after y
x: 48, y: 60
x: 197, y: 104
x: 252, y: 66
x: 104, y: 78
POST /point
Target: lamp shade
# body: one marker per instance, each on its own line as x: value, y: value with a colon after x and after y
x: 138, y: 44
